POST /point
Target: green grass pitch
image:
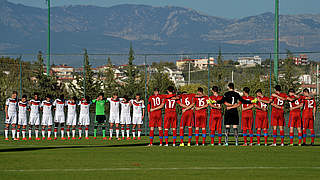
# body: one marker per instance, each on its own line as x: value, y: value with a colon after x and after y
x: 130, y: 160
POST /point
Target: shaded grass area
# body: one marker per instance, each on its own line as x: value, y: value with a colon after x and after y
x: 83, y: 159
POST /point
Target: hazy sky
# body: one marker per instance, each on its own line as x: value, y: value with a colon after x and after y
x: 223, y: 8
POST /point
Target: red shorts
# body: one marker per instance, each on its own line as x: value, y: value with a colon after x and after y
x: 277, y: 118
x: 170, y: 120
x: 201, y: 119
x: 186, y: 118
x: 246, y: 120
x: 308, y: 122
x: 155, y: 119
x: 215, y: 121
x: 294, y: 119
x: 262, y: 120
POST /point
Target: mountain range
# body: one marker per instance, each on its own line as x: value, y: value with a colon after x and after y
x: 151, y: 29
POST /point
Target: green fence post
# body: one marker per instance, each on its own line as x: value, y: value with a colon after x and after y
x: 276, y: 40
x: 20, y: 62
x: 145, y: 96
x: 84, y: 73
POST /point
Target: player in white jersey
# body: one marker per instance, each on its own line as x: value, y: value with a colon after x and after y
x: 72, y: 117
x: 114, y: 114
x: 11, y: 115
x: 84, y: 117
x: 125, y: 117
x: 59, y: 117
x: 34, y: 119
x: 46, y: 107
x: 138, y: 115
x: 22, y: 117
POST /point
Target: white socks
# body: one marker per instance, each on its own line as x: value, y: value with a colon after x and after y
x: 117, y: 132
x: 111, y: 132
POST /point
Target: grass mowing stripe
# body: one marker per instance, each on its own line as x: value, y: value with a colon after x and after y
x: 135, y: 169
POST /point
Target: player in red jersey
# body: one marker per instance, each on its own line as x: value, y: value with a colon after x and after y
x: 170, y: 118
x: 247, y: 116
x: 215, y: 116
x: 308, y: 115
x: 201, y: 104
x: 262, y: 121
x: 295, y: 115
x: 277, y: 114
x: 155, y: 117
x: 187, y: 116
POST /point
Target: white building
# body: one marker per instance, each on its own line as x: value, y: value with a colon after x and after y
x: 198, y: 63
x: 175, y: 76
x: 63, y: 72
x: 249, y: 61
x: 305, y: 79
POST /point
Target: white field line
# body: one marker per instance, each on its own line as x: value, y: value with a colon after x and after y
x: 155, y: 169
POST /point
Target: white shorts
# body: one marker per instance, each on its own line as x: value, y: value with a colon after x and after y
x: 137, y: 120
x: 84, y: 120
x: 46, y: 120
x: 12, y: 119
x: 34, y: 119
x: 114, y: 118
x: 125, y: 119
x: 59, y: 118
x: 72, y: 120
x: 22, y: 121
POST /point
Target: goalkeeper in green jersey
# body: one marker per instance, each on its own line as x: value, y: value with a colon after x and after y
x: 100, y: 115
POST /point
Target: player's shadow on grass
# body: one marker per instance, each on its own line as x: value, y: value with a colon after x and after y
x: 69, y: 147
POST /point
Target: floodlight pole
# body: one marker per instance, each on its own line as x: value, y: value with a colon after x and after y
x: 276, y: 41
x: 48, y: 50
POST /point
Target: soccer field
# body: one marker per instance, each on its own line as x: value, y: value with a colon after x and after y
x: 132, y: 159
x: 97, y: 159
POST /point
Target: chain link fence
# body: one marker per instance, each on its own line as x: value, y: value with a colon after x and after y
x: 186, y: 72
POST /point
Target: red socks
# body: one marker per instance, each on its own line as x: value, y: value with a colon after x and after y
x: 181, y: 133
x: 166, y: 135
x: 304, y: 136
x: 212, y: 137
x: 204, y: 135
x: 161, y: 136
x: 190, y: 135
x: 312, y: 136
x: 282, y: 136
x: 197, y: 136
x: 265, y: 136
x: 245, y: 136
x: 291, y: 137
x: 258, y: 136
x: 220, y: 136
x: 151, y: 136
x: 174, y: 138
x: 300, y: 137
x: 251, y: 136
x: 274, y: 136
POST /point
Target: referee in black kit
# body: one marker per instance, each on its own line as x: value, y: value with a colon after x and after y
x: 230, y: 99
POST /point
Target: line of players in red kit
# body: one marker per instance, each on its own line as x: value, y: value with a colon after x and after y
x: 194, y: 114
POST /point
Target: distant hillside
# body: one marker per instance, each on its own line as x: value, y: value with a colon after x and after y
x: 151, y: 29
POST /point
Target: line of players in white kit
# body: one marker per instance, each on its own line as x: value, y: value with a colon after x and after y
x: 16, y: 116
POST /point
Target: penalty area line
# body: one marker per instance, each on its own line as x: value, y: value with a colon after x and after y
x: 138, y: 169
